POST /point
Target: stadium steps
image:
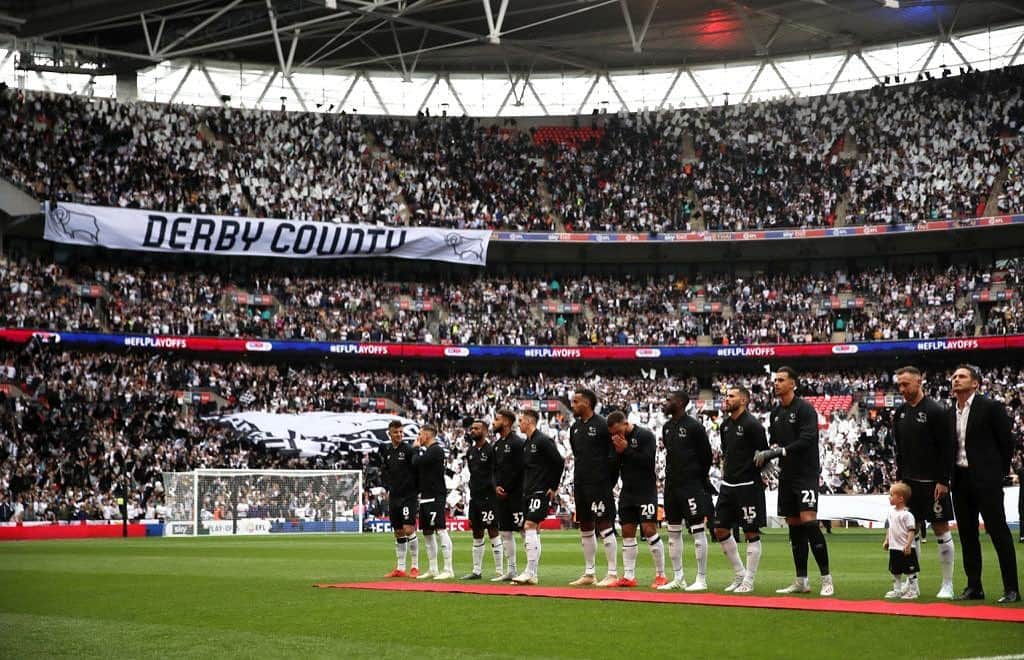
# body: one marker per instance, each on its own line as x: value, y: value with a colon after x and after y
x: 16, y: 202
x: 688, y: 155
x: 403, y: 205
x: 220, y: 144
x: 547, y: 202
x: 841, y: 206
x: 850, y: 148
x: 992, y: 204
x: 688, y: 150
x: 102, y: 314
x: 696, y: 221
x: 378, y: 151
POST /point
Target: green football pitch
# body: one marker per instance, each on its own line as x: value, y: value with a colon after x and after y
x: 253, y: 597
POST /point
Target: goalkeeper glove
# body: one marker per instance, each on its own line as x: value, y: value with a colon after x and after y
x: 762, y: 457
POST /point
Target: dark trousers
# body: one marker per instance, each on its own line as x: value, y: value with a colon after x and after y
x: 969, y: 500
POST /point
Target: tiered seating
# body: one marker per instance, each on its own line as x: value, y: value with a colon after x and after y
x: 826, y: 405
x: 566, y: 135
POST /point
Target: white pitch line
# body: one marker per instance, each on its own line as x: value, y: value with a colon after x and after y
x: 1019, y: 656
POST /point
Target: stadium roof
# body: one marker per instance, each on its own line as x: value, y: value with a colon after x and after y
x: 473, y: 35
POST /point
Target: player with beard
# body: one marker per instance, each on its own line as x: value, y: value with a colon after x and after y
x: 687, y: 488
x: 482, y: 517
x: 925, y: 449
x: 741, y: 494
x: 594, y: 477
x: 508, y: 487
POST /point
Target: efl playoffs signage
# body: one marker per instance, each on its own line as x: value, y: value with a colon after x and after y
x: 385, y: 351
x: 158, y: 231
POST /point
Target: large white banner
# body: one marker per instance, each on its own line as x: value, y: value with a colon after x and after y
x: 875, y: 508
x: 317, y: 433
x: 157, y: 231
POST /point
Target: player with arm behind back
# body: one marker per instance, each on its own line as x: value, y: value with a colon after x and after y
x: 400, y: 479
x: 924, y: 440
x: 543, y: 466
x: 429, y: 462
x: 508, y: 487
x: 741, y: 493
x: 482, y: 516
x: 594, y: 459
x: 687, y: 488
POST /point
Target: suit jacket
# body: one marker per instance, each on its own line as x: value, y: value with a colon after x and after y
x: 989, y: 443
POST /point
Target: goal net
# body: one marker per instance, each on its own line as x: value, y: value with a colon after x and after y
x: 226, y: 502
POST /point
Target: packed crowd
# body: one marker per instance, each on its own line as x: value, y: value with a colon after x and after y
x: 777, y: 164
x: 908, y: 172
x: 73, y: 426
x: 921, y: 302
x: 630, y: 176
x: 770, y: 165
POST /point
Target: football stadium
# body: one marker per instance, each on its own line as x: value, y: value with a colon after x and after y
x: 511, y: 328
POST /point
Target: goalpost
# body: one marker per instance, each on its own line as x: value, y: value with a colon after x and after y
x: 229, y: 502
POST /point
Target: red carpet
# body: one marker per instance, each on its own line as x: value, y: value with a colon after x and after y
x: 813, y: 604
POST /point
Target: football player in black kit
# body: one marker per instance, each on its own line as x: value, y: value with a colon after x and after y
x: 400, y: 480
x: 794, y: 434
x: 925, y: 455
x: 541, y: 475
x: 429, y: 463
x: 508, y: 487
x: 638, y: 499
x: 594, y: 478
x: 480, y: 459
x: 687, y: 488
x: 741, y: 493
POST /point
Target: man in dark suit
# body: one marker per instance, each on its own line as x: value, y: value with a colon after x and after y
x: 982, y: 461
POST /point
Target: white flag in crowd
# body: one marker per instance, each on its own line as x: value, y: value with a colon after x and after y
x: 317, y: 433
x: 157, y: 231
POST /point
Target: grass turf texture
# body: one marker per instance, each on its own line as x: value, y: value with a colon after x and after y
x: 252, y: 597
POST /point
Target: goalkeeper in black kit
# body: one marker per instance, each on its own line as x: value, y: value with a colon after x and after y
x: 794, y: 434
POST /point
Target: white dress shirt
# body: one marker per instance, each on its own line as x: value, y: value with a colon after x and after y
x: 962, y: 415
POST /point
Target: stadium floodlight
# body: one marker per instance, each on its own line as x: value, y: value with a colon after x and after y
x: 248, y: 502
x: 891, y: 4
